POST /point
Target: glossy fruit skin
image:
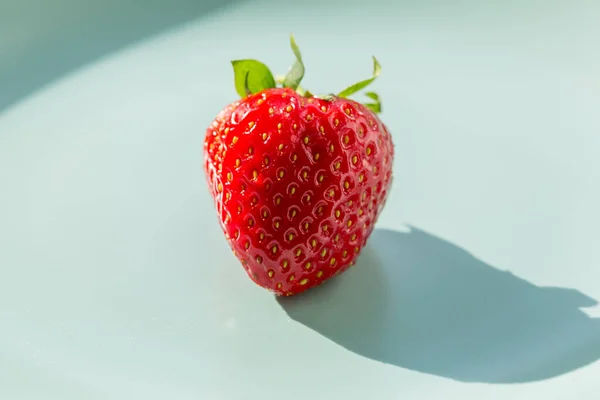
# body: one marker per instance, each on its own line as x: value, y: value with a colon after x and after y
x: 298, y: 184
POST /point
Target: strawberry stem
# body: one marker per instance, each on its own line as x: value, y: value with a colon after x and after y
x: 279, y: 79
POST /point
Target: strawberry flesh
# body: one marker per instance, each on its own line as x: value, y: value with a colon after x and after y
x: 298, y: 184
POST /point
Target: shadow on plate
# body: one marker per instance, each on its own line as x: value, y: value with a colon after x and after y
x: 416, y: 301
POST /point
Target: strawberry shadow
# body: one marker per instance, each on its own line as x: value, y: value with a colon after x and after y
x: 416, y: 301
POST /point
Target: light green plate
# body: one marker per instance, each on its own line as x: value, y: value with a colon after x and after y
x: 480, y: 282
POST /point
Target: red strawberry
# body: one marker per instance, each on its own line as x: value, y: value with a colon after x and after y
x: 298, y: 180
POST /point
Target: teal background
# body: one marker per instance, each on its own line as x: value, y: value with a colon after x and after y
x: 481, y: 281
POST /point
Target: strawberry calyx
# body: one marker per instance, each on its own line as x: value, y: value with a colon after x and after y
x: 296, y: 72
x: 252, y: 76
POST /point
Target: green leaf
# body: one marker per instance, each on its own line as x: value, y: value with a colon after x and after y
x: 376, y: 106
x: 372, y: 95
x: 362, y: 84
x: 251, y: 76
x: 296, y: 72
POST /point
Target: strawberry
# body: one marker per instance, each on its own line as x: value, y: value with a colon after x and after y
x: 298, y: 180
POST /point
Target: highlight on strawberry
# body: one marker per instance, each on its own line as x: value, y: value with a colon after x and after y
x: 298, y: 180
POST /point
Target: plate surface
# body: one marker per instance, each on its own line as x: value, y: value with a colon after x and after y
x: 480, y: 281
